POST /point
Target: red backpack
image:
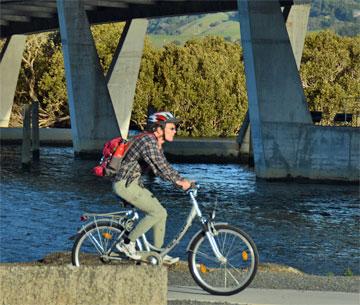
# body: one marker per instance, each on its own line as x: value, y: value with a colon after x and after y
x: 113, y: 153
x: 115, y: 147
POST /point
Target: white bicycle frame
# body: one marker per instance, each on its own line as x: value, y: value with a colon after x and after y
x: 144, y: 245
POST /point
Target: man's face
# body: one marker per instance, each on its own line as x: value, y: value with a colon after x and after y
x: 169, y: 132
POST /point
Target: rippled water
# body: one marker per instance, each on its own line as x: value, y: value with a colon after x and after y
x: 313, y: 227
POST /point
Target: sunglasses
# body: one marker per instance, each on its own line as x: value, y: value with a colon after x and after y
x: 171, y: 128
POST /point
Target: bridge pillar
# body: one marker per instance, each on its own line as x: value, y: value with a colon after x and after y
x: 296, y: 18
x: 10, y: 62
x: 273, y: 83
x: 296, y: 25
x: 91, y: 111
x: 124, y: 69
x: 285, y: 142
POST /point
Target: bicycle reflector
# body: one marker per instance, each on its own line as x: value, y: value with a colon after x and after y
x: 203, y: 268
x: 244, y: 256
x: 83, y: 218
x: 106, y: 235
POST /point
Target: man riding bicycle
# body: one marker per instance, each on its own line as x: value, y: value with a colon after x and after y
x: 148, y: 147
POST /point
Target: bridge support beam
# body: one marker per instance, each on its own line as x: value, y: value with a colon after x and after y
x: 91, y: 111
x: 285, y: 142
x: 296, y: 25
x: 10, y: 62
x: 124, y: 69
x: 296, y: 19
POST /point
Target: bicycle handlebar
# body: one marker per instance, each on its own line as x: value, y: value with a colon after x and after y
x: 193, y: 188
x: 194, y: 185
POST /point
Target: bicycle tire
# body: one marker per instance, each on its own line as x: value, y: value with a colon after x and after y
x: 85, y: 251
x: 204, y: 266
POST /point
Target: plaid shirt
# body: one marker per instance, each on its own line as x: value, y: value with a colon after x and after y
x: 146, y: 148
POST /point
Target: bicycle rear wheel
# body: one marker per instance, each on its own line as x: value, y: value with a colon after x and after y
x: 94, y: 244
x: 232, y: 275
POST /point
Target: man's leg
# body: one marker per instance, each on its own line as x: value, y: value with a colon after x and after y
x: 145, y: 201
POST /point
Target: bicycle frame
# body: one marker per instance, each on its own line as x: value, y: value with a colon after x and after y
x: 172, y: 244
x: 195, y: 211
x: 208, y: 227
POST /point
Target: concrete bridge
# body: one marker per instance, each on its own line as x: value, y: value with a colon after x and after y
x: 286, y: 144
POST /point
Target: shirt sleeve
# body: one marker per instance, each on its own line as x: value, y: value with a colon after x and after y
x: 157, y: 161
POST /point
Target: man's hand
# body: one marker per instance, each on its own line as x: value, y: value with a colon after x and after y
x: 185, y: 184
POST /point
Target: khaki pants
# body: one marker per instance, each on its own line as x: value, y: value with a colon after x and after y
x: 145, y: 201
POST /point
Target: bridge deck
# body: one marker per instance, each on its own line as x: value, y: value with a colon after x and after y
x: 28, y: 16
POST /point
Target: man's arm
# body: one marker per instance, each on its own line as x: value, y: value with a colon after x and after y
x: 157, y: 161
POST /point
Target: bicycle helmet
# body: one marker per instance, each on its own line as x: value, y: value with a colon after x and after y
x: 161, y: 118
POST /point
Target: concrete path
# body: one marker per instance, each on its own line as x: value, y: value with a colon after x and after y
x: 251, y: 296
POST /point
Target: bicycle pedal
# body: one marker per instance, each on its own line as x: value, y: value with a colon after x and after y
x: 151, y: 257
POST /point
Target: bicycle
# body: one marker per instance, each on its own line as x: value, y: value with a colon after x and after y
x: 222, y: 259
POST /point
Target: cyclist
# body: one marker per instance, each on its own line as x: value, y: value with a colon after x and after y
x: 161, y: 128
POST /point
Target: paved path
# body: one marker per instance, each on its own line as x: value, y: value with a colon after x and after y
x: 252, y: 296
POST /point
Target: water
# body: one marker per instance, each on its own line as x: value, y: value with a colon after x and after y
x: 313, y: 227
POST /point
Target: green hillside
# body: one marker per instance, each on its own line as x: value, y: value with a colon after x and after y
x: 343, y: 17
x: 220, y: 24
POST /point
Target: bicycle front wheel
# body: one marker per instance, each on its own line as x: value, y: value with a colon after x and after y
x: 231, y: 274
x: 95, y: 243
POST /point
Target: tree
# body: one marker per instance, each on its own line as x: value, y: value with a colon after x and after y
x: 201, y: 82
x: 330, y: 72
x: 34, y: 64
x: 106, y: 37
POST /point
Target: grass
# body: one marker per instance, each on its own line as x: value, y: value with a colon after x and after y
x: 348, y: 272
x: 212, y: 24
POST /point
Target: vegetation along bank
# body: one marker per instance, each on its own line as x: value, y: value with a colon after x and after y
x: 202, y: 81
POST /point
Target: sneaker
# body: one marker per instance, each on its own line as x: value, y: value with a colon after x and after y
x: 128, y: 249
x: 170, y: 260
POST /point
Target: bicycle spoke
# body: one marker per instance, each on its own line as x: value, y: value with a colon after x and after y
x: 236, y: 269
x: 229, y: 248
x: 238, y: 253
x: 100, y: 238
x: 232, y: 275
x: 223, y: 246
x: 207, y: 256
x: 95, y: 243
x: 109, y: 242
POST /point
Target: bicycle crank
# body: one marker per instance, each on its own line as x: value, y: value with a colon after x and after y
x: 151, y: 257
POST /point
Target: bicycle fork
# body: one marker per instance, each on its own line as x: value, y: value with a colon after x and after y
x: 214, y: 246
x: 208, y: 228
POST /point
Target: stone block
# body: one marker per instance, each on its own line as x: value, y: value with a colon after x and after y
x: 67, y: 285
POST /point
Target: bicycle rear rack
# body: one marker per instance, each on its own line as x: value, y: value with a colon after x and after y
x: 113, y: 215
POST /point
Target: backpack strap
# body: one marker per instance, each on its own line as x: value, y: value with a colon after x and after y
x: 139, y: 136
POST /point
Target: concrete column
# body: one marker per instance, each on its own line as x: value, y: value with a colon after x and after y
x: 296, y: 18
x: 296, y: 25
x: 10, y: 62
x: 273, y: 82
x: 26, y: 139
x: 92, y: 115
x: 124, y: 69
x: 35, y: 134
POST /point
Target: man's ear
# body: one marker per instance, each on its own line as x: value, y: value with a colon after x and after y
x: 159, y: 129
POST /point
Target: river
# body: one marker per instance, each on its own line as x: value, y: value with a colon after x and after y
x: 313, y: 227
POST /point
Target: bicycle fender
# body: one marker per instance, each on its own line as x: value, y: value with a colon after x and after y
x: 201, y: 231
x: 79, y: 230
x: 84, y: 227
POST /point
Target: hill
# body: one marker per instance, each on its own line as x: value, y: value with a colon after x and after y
x: 343, y: 17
